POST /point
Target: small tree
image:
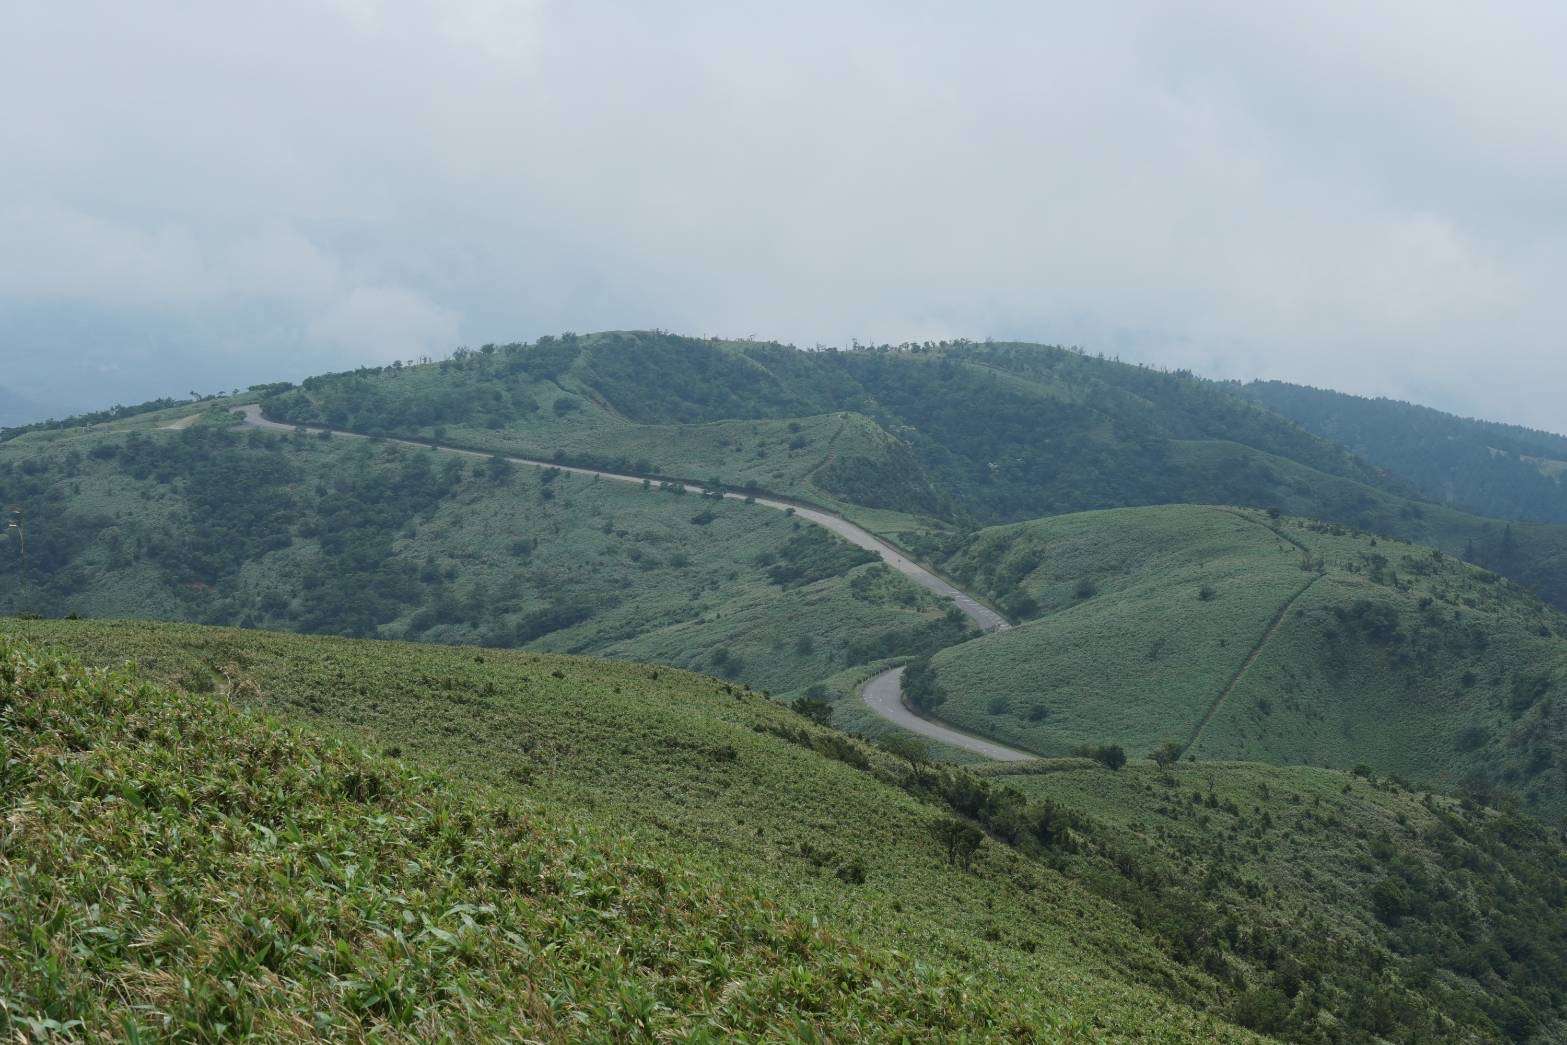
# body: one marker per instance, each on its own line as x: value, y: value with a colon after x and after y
x: 818, y: 711
x: 1111, y: 756
x: 498, y: 469
x: 960, y: 840
x: 910, y: 748
x: 1166, y: 754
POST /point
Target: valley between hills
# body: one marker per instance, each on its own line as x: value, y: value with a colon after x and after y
x: 635, y: 686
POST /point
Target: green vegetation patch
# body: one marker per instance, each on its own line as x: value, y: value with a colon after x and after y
x: 1235, y: 635
x: 1353, y: 907
x: 628, y: 850
x: 355, y: 537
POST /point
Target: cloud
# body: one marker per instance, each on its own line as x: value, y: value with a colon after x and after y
x: 1368, y: 196
x: 380, y: 324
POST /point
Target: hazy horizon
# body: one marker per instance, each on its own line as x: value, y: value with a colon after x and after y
x: 1367, y: 199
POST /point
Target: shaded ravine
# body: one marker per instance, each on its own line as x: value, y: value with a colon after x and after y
x: 891, y: 708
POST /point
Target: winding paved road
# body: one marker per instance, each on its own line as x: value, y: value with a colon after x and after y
x: 882, y: 693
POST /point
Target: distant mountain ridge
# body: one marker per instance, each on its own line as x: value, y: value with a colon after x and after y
x: 1502, y: 470
x: 957, y: 434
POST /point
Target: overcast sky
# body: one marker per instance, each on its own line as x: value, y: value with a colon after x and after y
x: 1367, y: 196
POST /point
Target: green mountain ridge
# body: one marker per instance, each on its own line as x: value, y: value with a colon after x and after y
x: 949, y: 435
x: 1495, y: 469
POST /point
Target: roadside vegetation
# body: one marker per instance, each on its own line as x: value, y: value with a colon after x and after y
x: 373, y: 539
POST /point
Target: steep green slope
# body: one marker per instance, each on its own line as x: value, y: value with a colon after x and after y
x: 1266, y: 895
x: 1297, y: 867
x: 1235, y: 635
x: 1495, y: 469
x: 638, y: 403
x: 1126, y: 649
x: 351, y: 537
x: 618, y: 867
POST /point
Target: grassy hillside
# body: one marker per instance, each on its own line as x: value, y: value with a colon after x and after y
x: 575, y: 400
x: 1093, y: 904
x: 1236, y: 635
x: 624, y: 851
x: 351, y: 537
x: 955, y: 434
x: 1495, y: 469
x: 1296, y: 867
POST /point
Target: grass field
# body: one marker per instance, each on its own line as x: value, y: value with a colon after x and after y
x: 1264, y: 895
x: 1312, y: 864
x: 635, y: 843
x: 1377, y: 651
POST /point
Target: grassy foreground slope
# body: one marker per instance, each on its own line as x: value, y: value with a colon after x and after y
x: 660, y: 762
x: 178, y: 867
x: 1235, y: 635
x: 352, y: 537
x: 1093, y: 904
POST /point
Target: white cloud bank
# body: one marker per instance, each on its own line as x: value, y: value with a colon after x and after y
x: 1370, y: 196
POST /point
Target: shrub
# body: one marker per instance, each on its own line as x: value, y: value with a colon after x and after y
x: 961, y: 840
x: 1111, y: 756
x: 920, y: 686
x: 912, y: 749
x: 1527, y: 689
x: 1020, y: 605
x: 852, y: 872
x: 818, y: 711
x: 1166, y: 754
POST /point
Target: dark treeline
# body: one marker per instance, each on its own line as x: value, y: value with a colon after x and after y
x: 1493, y: 469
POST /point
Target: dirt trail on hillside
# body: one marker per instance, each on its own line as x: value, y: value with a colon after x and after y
x: 1262, y: 644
